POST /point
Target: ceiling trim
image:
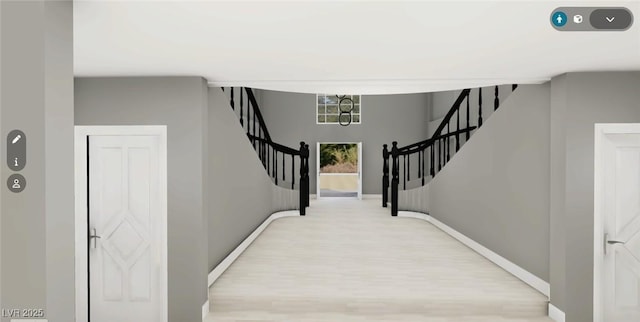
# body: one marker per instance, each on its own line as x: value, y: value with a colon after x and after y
x: 398, y: 86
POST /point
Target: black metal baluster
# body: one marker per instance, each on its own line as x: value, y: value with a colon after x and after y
x: 458, y: 130
x: 496, y: 100
x: 254, y: 126
x: 439, y: 155
x: 233, y: 104
x: 275, y: 165
x: 419, y: 162
x: 468, y: 123
x: 293, y: 171
x: 479, y: 107
x: 283, y: 167
x: 448, y: 144
x: 241, y: 109
x: 404, y: 171
x: 433, y: 161
x: 408, y: 167
x: 423, y: 174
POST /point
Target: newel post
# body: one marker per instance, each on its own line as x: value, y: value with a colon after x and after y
x: 395, y: 181
x: 304, y: 178
x: 385, y: 175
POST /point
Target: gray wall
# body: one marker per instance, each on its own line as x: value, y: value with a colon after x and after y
x: 291, y: 118
x: 180, y: 103
x: 589, y: 98
x: 495, y: 190
x: 37, y: 97
x: 241, y: 194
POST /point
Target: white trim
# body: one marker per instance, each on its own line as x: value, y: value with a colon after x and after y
x: 80, y: 158
x: 555, y: 313
x: 517, y: 271
x: 372, y: 86
x: 226, y: 263
x: 371, y: 196
x: 600, y: 131
x: 205, y: 309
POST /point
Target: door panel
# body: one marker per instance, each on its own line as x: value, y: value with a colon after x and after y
x: 124, y: 209
x: 622, y: 225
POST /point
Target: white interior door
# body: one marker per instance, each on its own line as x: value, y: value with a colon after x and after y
x: 125, y: 256
x: 618, y: 201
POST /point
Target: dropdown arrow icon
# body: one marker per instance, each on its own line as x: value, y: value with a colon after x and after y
x: 610, y: 20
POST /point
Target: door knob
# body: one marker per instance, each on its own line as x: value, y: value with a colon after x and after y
x: 608, y: 241
x: 93, y: 238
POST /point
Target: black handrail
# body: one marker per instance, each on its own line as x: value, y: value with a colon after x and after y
x: 438, y: 145
x: 269, y: 152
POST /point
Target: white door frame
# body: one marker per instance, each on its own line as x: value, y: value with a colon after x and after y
x: 359, y: 144
x: 601, y: 130
x: 81, y: 189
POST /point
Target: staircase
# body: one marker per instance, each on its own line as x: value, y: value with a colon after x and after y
x: 432, y: 154
x: 279, y: 161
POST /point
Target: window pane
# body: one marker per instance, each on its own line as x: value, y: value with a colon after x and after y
x: 331, y: 99
x: 320, y: 99
x: 332, y: 109
x: 356, y: 108
x: 356, y: 99
x: 332, y: 118
x: 321, y: 109
x: 320, y: 118
x: 345, y: 118
x: 356, y: 119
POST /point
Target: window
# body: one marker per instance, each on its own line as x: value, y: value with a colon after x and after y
x: 328, y: 111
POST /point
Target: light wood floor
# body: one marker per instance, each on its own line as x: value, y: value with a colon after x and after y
x: 349, y: 260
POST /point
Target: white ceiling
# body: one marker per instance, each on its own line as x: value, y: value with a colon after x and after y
x: 355, y: 46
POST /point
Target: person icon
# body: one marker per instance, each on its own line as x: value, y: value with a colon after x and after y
x: 15, y: 162
x: 559, y: 19
x: 16, y: 184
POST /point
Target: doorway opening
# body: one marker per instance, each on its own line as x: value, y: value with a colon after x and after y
x: 339, y: 169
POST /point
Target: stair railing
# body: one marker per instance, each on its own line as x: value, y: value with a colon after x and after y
x: 274, y: 156
x: 437, y: 148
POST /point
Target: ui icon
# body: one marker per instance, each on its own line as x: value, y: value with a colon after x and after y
x: 16, y: 183
x: 559, y: 18
x: 577, y: 19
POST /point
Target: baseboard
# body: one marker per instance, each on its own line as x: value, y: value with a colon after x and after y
x: 517, y: 271
x: 371, y: 196
x: 555, y: 313
x: 205, y: 309
x: 313, y: 196
x: 218, y: 270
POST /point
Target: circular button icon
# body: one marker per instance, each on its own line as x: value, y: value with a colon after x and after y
x: 559, y: 18
x: 16, y: 183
